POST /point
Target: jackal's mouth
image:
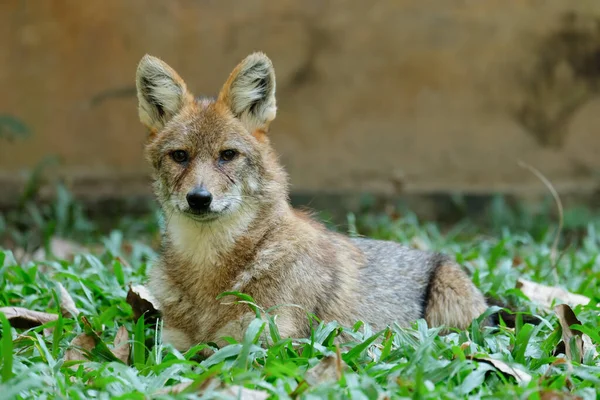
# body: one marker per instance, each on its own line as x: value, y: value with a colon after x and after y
x: 201, y: 216
x: 204, y: 216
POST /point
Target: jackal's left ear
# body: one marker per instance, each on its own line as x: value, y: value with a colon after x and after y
x: 161, y: 92
x: 250, y: 92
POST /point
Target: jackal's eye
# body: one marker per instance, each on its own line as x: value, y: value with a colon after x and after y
x: 227, y: 155
x: 180, y: 156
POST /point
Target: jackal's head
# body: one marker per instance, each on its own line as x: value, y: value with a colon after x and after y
x: 211, y: 158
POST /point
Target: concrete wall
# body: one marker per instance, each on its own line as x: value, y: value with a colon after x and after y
x: 389, y: 96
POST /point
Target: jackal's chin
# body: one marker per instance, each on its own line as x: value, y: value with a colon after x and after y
x: 201, y: 217
x: 218, y: 212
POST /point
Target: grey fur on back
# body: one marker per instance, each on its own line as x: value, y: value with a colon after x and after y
x: 394, y: 282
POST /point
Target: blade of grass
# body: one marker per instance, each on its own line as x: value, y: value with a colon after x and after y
x: 351, y: 355
x: 387, y: 345
x: 7, y: 349
x: 245, y: 298
x: 255, y: 328
x: 57, y: 335
x: 139, y: 355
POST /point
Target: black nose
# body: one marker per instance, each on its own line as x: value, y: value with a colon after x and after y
x: 199, y: 199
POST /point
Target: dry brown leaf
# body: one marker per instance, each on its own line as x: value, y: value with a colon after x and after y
x: 142, y: 302
x: 566, y: 318
x: 588, y: 345
x: 545, y: 295
x: 78, y: 346
x: 554, y: 395
x: 174, y: 389
x: 67, y: 305
x: 121, y: 345
x: 23, y: 318
x: 419, y: 243
x: 62, y: 249
x: 240, y: 392
x: 465, y: 345
x: 209, y: 384
x: 213, y: 385
x: 576, y: 343
x: 21, y: 255
x: 518, y: 374
x: 329, y: 369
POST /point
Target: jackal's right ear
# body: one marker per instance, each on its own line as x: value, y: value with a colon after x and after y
x: 161, y: 92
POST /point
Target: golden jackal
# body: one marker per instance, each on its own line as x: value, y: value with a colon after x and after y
x: 228, y: 226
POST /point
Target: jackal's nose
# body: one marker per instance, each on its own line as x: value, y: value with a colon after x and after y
x: 199, y: 199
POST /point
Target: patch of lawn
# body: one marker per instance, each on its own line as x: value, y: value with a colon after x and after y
x: 527, y: 361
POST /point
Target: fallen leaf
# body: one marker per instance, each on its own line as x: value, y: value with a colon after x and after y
x: 588, y: 345
x: 419, y: 243
x: 545, y: 295
x: 517, y: 260
x: 518, y: 374
x: 23, y: 318
x: 142, y: 302
x: 208, y: 384
x: 62, y: 249
x: 121, y: 345
x: 100, y: 349
x: 551, y: 367
x: 21, y: 255
x: 174, y: 389
x: 215, y: 386
x: 123, y: 261
x: 79, y: 346
x: 576, y: 343
x: 240, y: 392
x: 329, y: 369
x: 554, y: 395
x: 465, y: 345
x: 67, y: 305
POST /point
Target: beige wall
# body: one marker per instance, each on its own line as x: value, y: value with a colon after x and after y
x: 391, y: 96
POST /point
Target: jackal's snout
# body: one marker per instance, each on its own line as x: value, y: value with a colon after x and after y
x: 199, y: 200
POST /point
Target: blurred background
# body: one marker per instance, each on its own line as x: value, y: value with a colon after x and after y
x: 430, y: 103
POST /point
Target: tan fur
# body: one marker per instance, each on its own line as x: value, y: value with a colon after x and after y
x: 252, y: 241
x: 453, y: 300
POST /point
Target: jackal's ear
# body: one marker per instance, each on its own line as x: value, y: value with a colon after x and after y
x: 250, y: 92
x: 161, y: 92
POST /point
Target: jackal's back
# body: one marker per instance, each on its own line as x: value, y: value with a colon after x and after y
x: 401, y: 284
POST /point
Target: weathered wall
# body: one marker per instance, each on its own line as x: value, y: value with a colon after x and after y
x: 388, y: 96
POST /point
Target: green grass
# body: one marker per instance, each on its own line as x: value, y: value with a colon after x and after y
x: 393, y: 363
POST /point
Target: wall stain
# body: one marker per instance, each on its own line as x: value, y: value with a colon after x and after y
x: 109, y: 94
x: 565, y: 76
x: 12, y: 128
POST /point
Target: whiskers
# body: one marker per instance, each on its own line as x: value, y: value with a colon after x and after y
x: 239, y: 208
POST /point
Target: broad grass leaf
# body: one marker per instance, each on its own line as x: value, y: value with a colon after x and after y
x: 6, y: 345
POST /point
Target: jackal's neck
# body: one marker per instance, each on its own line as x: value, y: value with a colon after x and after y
x: 208, y: 245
